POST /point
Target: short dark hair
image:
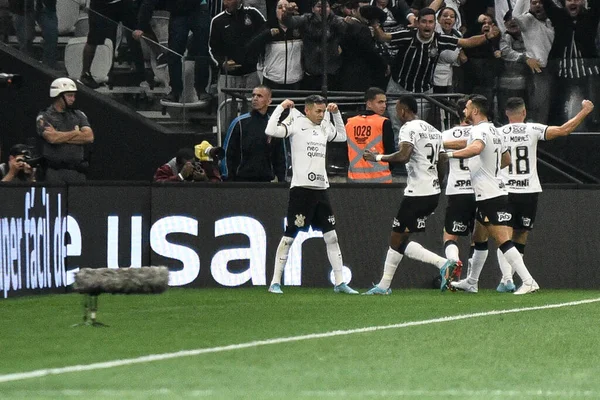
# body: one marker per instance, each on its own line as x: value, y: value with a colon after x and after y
x: 314, y: 99
x: 410, y: 102
x: 184, y: 154
x: 373, y: 92
x: 268, y: 89
x: 514, y: 103
x: 460, y: 107
x: 314, y: 2
x: 426, y: 11
x: 481, y: 102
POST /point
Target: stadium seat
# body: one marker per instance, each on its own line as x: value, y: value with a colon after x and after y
x: 67, y: 12
x: 82, y: 26
x: 101, y: 65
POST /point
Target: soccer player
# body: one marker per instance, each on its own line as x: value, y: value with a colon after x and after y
x: 460, y: 211
x: 487, y: 154
x: 521, y: 177
x: 420, y: 145
x: 308, y: 202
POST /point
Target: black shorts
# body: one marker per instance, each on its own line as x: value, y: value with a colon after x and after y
x: 523, y: 207
x: 306, y: 208
x: 413, y: 213
x: 104, y: 19
x: 495, y: 211
x: 460, y: 214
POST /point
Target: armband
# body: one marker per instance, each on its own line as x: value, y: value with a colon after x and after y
x: 450, y: 154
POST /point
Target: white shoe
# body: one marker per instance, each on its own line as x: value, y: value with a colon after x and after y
x: 529, y: 287
x: 465, y: 285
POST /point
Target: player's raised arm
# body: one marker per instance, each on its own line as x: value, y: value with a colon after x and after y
x: 568, y: 127
x: 274, y: 128
x: 339, y: 135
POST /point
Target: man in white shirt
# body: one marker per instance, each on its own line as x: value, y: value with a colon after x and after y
x: 521, y: 177
x: 487, y: 154
x: 308, y: 203
x: 420, y: 145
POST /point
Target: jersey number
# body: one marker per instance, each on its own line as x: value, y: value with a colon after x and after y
x: 520, y: 161
x: 434, y: 152
x: 462, y: 165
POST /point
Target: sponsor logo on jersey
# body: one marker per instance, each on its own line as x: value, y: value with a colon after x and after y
x: 518, y: 182
x: 421, y: 222
x: 315, y: 177
x: 299, y: 222
x: 331, y: 219
x: 504, y: 216
x: 463, y: 183
x: 458, y: 226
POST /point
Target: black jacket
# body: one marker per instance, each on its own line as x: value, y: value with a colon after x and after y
x: 250, y: 154
x: 18, y: 6
x: 229, y: 35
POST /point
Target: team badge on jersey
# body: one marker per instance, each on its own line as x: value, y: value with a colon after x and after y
x: 299, y: 222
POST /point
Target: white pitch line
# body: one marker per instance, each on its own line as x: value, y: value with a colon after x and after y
x: 187, y: 353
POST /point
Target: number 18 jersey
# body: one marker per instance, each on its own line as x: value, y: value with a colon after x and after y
x: 422, y: 166
x: 521, y: 139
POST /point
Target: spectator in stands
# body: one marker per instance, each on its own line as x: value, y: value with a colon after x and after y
x: 310, y: 27
x: 65, y: 131
x: 483, y: 64
x: 370, y: 130
x: 574, y: 57
x: 209, y: 157
x: 104, y: 16
x: 145, y: 12
x: 538, y: 35
x: 443, y: 75
x: 425, y: 45
x: 362, y: 64
x: 250, y: 155
x: 398, y: 16
x: 188, y: 16
x: 472, y: 9
x: 17, y: 169
x: 513, y: 78
x: 181, y: 168
x: 280, y: 52
x: 230, y: 32
x: 25, y: 15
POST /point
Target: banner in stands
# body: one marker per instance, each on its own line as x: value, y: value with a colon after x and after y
x: 226, y: 236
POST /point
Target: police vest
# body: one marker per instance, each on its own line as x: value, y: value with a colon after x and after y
x: 366, y: 132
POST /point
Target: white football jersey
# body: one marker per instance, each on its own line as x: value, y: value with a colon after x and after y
x: 459, y: 177
x: 308, y: 144
x: 485, y: 167
x: 422, y: 166
x: 521, y: 140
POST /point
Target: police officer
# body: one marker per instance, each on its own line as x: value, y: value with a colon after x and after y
x: 64, y: 131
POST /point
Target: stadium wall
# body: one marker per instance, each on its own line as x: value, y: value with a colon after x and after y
x: 227, y: 235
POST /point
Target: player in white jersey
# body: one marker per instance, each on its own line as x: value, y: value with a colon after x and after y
x: 521, y: 177
x: 460, y: 211
x: 420, y: 145
x: 487, y: 154
x: 308, y: 202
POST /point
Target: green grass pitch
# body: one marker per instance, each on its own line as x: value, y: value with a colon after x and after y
x: 545, y: 353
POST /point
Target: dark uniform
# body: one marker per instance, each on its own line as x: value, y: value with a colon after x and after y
x: 65, y: 162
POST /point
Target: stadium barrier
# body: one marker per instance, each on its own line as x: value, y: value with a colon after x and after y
x: 211, y: 235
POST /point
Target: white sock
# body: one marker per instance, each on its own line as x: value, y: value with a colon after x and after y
x: 281, y: 257
x: 417, y: 252
x: 451, y: 252
x: 515, y: 260
x: 335, y: 256
x: 479, y: 257
x: 392, y: 259
x: 507, y: 271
